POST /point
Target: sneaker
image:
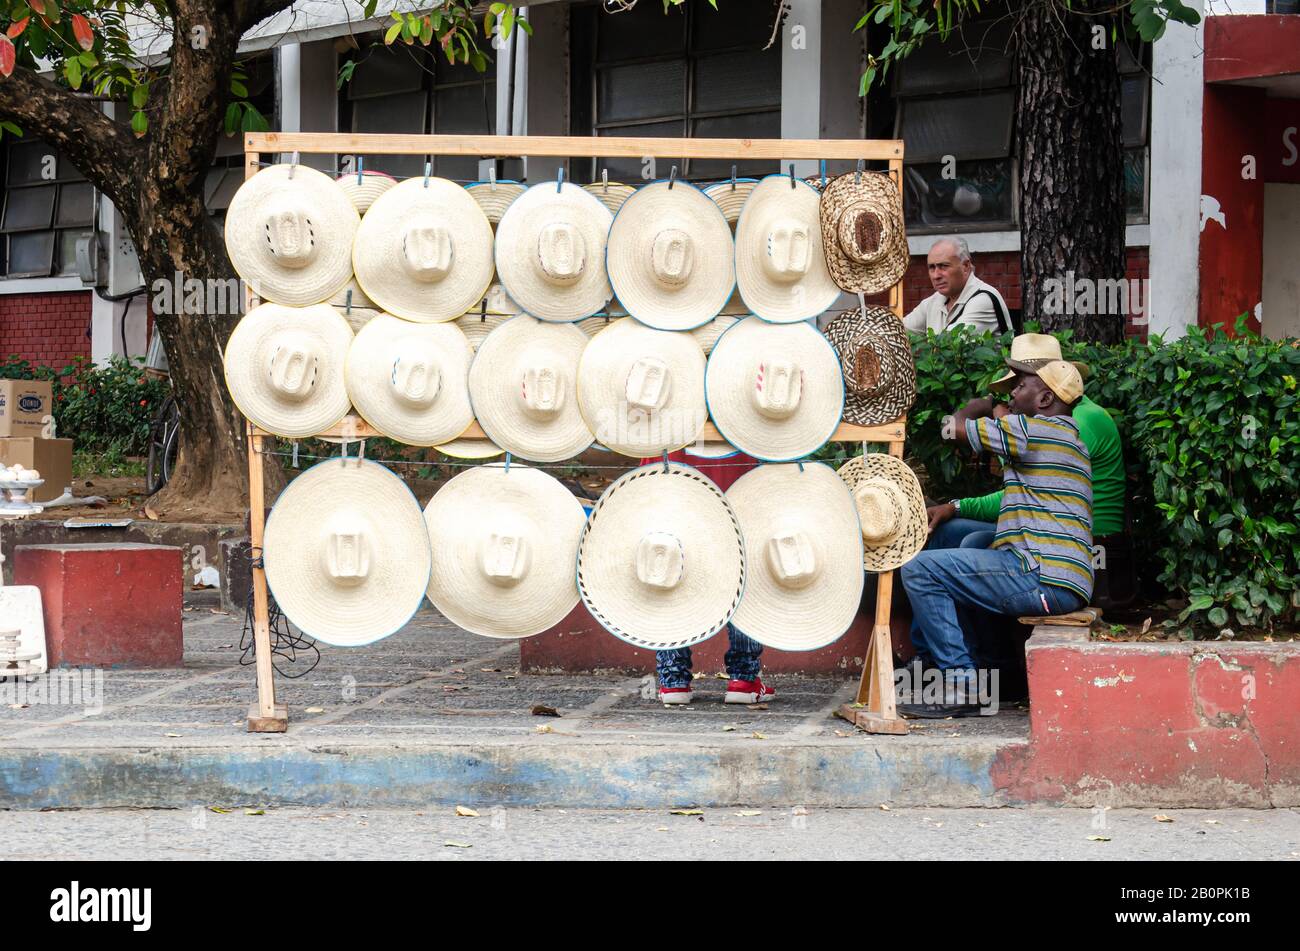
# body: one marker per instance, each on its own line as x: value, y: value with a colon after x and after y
x: 674, y: 696
x: 748, y: 691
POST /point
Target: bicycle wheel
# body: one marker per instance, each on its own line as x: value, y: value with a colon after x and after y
x: 162, y: 445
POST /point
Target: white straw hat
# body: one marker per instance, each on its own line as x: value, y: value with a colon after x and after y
x: 641, y: 390
x: 424, y: 250
x: 284, y: 368
x: 470, y: 448
x: 363, y: 189
x: 346, y: 552
x: 594, y: 325
x: 774, y: 390
x: 550, y: 252
x: 731, y: 197
x: 611, y: 194
x: 804, y: 581
x: 891, y: 509
x: 289, y: 233
x: 523, y: 386
x: 709, y: 334
x: 780, y: 266
x: 661, y: 563
x: 671, y: 258
x: 408, y: 380
x: 504, y: 542
x: 495, y: 197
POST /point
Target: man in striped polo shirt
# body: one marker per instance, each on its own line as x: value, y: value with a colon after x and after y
x: 1041, y: 561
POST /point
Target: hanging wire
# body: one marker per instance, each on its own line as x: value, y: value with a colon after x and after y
x: 558, y: 467
x: 286, y: 642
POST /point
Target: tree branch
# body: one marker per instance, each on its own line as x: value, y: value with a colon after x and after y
x: 104, y: 151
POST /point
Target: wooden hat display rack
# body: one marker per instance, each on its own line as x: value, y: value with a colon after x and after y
x: 874, y: 709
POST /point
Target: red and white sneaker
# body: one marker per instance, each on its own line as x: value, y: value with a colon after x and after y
x: 748, y: 691
x: 674, y: 696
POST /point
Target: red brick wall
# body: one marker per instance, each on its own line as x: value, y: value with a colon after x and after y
x: 45, y: 328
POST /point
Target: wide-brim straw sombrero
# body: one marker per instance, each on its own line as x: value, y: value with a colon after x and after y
x: 804, y: 580
x: 774, y: 390
x: 1029, y: 352
x: 891, y: 509
x: 709, y: 334
x: 470, y: 448
x: 289, y: 234
x: 863, y: 232
x: 347, y: 552
x: 780, y: 266
x: 424, y: 251
x: 550, y: 252
x: 640, y: 390
x: 523, y: 386
x: 661, y: 562
x: 409, y: 380
x: 363, y: 189
x: 284, y: 367
x: 671, y: 258
x: 495, y: 197
x: 730, y: 197
x: 876, y: 362
x: 504, y: 542
x: 611, y: 194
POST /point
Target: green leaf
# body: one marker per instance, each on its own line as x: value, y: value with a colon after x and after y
x: 139, y: 123
x: 72, y: 71
x: 1218, y: 617
x: 239, y: 89
x: 140, y: 95
x: 393, y: 32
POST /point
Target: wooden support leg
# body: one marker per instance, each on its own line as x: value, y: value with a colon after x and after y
x: 264, y: 716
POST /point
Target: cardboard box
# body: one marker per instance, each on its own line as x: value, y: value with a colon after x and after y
x: 52, y: 458
x: 24, y: 404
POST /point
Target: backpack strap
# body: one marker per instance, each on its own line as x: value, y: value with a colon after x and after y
x: 1004, y: 320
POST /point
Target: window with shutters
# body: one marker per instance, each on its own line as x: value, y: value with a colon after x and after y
x: 48, y: 206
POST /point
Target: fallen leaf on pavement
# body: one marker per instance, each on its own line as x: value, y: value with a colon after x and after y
x: 466, y: 812
x: 1213, y: 822
x: 1164, y: 819
x: 150, y: 514
x: 218, y: 809
x: 490, y: 670
x: 756, y: 706
x: 457, y: 845
x: 686, y: 812
x: 728, y: 729
x: 750, y: 812
x: 541, y: 710
x: 884, y: 807
x: 172, y: 734
x: 314, y: 710
x: 758, y: 736
x: 1098, y: 838
x: 254, y: 812
x: 662, y: 829
x: 842, y: 733
x: 1146, y: 626
x: 544, y: 728
x: 17, y: 706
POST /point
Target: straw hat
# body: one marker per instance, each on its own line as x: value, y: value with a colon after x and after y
x: 504, y: 541
x: 363, y: 189
x: 801, y: 532
x: 346, y: 552
x: 730, y: 197
x: 891, y: 509
x: 495, y: 197
x: 550, y: 252
x: 357, y: 317
x: 1028, y: 353
x: 284, y: 368
x: 289, y: 233
x: 671, y: 259
x: 522, y: 385
x: 641, y: 390
x: 408, y: 380
x: 424, y: 250
x: 594, y: 325
x: 876, y: 362
x: 780, y: 267
x: 708, y: 334
x: 477, y: 327
x: 470, y: 448
x: 661, y: 562
x: 774, y: 390
x: 863, y: 233
x: 611, y: 194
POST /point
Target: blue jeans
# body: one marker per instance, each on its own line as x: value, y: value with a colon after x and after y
x: 944, y: 584
x: 962, y: 533
x: 674, y: 666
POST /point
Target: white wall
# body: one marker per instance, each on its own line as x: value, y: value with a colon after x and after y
x: 1281, y: 299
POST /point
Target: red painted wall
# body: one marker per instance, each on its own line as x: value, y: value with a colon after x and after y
x: 45, y: 328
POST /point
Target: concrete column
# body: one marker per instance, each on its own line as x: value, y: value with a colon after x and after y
x: 801, y: 92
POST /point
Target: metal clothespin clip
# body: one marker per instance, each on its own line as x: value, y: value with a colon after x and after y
x: 428, y: 170
x: 862, y: 302
x: 823, y: 171
x: 361, y: 454
x: 482, y: 311
x: 792, y: 178
x: 559, y: 180
x: 492, y: 177
x: 507, y: 469
x: 347, y: 307
x: 361, y: 168
x: 293, y: 164
x: 672, y: 178
x: 343, y: 451
x: 295, y: 454
x: 857, y: 176
x: 665, y: 460
x: 801, y: 465
x: 604, y: 179
x: 733, y: 178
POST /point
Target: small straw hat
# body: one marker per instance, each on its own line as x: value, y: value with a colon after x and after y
x: 611, y: 194
x: 504, y: 542
x: 363, y: 189
x: 408, y: 380
x: 289, y: 233
x: 731, y: 197
x: 780, y: 267
x: 284, y: 368
x: 495, y: 197
x: 661, y: 563
x: 863, y: 232
x: 774, y: 390
x: 641, y: 391
x: 801, y: 532
x: 523, y: 385
x: 891, y: 509
x: 424, y: 251
x: 1029, y: 352
x: 550, y: 252
x: 876, y: 362
x: 470, y: 448
x: 347, y: 553
x: 671, y: 258
x: 709, y: 334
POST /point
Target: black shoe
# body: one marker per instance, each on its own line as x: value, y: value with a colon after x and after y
x: 938, y: 711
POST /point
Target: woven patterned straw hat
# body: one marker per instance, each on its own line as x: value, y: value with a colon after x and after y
x: 347, y: 553
x: 863, y: 232
x: 876, y: 362
x: 504, y: 542
x: 661, y: 562
x: 801, y: 532
x: 891, y: 509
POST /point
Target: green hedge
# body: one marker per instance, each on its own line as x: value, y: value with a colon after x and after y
x: 102, y: 408
x: 1211, y: 434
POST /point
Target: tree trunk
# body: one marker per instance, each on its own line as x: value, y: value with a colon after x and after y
x: 1071, y: 170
